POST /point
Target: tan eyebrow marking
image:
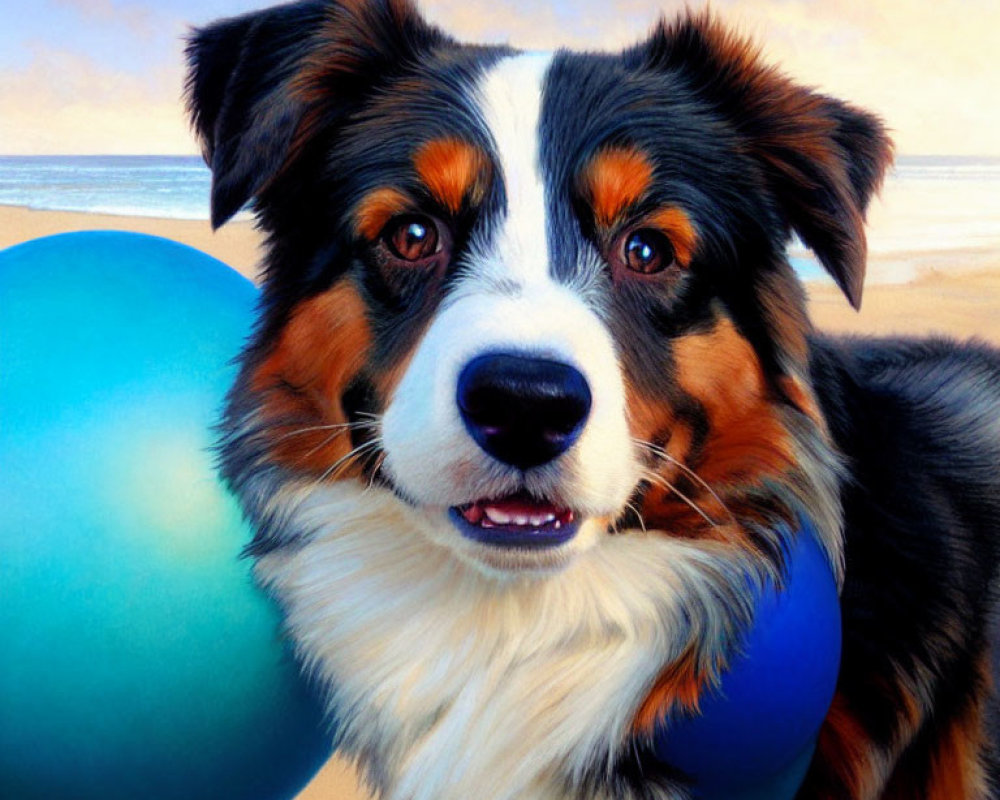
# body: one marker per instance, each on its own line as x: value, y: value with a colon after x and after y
x: 452, y: 170
x: 676, y: 225
x: 615, y: 179
x: 376, y: 208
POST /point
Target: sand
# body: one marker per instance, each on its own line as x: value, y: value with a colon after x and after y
x: 237, y: 243
x: 956, y: 304
x: 955, y: 293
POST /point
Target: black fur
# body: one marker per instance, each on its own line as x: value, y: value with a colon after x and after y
x: 241, y: 101
x: 823, y: 199
x: 919, y: 423
x: 305, y: 108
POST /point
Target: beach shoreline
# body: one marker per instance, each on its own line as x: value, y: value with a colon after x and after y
x: 946, y: 292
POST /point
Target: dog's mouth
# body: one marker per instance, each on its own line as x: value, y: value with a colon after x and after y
x: 517, y: 520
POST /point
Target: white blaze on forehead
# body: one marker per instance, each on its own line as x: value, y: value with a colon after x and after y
x: 430, y: 455
x: 511, y: 101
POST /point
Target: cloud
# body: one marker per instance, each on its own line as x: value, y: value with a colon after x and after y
x: 587, y: 25
x: 139, y: 19
x: 931, y: 69
x: 70, y: 104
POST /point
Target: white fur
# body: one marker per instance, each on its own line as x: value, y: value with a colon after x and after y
x: 473, y: 676
x: 508, y: 302
x: 463, y: 686
x: 511, y: 97
x: 433, y: 459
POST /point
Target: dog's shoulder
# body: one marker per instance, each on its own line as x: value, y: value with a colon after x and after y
x: 917, y: 422
x: 927, y: 405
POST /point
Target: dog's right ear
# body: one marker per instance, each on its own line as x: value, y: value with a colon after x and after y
x: 241, y: 100
x: 821, y: 158
x: 259, y: 85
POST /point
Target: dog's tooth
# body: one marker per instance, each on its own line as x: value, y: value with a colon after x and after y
x: 557, y: 525
x: 497, y: 516
x: 491, y: 516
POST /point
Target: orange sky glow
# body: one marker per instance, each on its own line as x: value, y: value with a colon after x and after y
x: 931, y: 69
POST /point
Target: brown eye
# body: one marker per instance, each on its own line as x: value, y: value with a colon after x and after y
x: 412, y: 237
x: 647, y: 251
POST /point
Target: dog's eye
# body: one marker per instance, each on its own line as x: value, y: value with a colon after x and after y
x: 647, y: 251
x: 412, y: 237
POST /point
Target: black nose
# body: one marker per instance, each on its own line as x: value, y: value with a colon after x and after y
x: 522, y: 411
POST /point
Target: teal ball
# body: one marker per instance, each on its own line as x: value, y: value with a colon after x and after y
x: 137, y: 657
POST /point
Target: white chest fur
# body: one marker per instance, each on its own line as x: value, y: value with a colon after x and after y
x: 447, y: 683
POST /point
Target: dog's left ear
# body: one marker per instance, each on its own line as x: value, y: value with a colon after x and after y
x: 822, y: 158
x: 259, y: 85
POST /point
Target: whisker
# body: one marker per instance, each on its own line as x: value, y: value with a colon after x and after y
x: 638, y: 516
x: 662, y: 453
x: 340, y: 426
x: 659, y: 480
x: 322, y: 444
x: 344, y: 462
x: 375, y: 471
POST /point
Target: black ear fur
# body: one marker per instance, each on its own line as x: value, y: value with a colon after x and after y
x: 240, y: 98
x: 259, y: 84
x: 823, y: 158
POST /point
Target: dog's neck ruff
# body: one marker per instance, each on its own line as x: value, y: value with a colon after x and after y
x: 443, y: 680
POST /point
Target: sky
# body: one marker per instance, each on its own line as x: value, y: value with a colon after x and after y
x: 105, y: 76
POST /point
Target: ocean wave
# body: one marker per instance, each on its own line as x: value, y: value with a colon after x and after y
x: 936, y: 202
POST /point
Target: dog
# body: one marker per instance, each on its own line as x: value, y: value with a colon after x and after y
x: 534, y: 400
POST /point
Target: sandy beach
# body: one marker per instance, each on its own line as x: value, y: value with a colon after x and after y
x: 956, y: 293
x: 237, y: 243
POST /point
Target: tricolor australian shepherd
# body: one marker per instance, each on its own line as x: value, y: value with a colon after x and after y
x: 534, y: 399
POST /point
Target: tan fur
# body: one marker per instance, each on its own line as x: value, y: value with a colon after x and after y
x: 615, y: 179
x: 453, y: 171
x: 676, y: 225
x: 375, y: 209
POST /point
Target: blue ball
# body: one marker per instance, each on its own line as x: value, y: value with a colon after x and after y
x: 755, y: 735
x: 138, y: 658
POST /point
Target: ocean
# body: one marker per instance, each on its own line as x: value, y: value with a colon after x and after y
x: 175, y: 187
x: 928, y: 203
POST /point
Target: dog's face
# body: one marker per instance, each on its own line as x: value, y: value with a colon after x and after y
x: 540, y: 298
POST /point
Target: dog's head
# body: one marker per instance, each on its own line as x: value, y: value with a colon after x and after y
x: 539, y: 299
